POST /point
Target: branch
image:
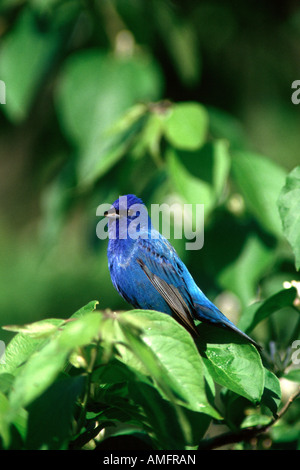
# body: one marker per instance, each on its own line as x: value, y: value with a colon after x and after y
x: 247, y: 433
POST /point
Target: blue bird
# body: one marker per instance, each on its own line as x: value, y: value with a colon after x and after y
x: 148, y: 273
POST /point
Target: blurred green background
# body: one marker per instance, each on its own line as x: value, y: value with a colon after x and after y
x: 72, y: 70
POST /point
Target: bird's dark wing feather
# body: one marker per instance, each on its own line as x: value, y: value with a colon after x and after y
x: 163, y: 276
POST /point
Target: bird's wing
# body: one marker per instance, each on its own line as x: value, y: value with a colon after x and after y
x: 161, y: 265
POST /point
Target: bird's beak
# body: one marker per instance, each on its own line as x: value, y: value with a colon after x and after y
x: 111, y: 213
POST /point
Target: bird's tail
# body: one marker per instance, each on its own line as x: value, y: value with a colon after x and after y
x: 231, y: 326
x: 211, y: 314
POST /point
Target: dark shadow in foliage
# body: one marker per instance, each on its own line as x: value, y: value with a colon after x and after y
x: 126, y: 442
x: 51, y: 414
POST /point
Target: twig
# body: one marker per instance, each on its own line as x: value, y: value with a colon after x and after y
x: 89, y: 371
x: 247, y: 433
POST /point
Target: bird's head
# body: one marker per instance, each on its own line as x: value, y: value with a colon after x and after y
x: 127, y: 216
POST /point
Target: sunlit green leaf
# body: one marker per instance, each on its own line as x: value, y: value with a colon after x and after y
x: 80, y: 331
x: 186, y: 125
x: 88, y: 308
x: 255, y: 419
x: 19, y: 349
x: 39, y: 329
x: 232, y: 362
x: 172, y: 358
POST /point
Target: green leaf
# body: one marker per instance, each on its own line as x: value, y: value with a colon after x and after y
x: 260, y: 181
x: 272, y: 392
x: 112, y: 372
x: 95, y: 90
x: 18, y: 351
x: 231, y: 361
x: 193, y: 190
x: 39, y: 329
x: 4, y: 425
x: 38, y: 373
x: 6, y: 381
x: 171, y: 358
x: 255, y: 420
x: 200, y: 176
x: 221, y: 166
x: 129, y: 118
x: 25, y: 44
x: 243, y: 273
x: 288, y: 205
x: 186, y: 125
x: 224, y: 126
x: 258, y: 311
x: 156, y: 383
x: 150, y: 136
x: 293, y: 375
x: 44, y: 361
x: 80, y: 331
x: 88, y: 308
x: 20, y: 423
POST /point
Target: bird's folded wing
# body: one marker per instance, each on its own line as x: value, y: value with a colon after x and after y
x: 169, y: 292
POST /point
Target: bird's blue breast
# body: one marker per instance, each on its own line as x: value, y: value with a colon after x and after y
x: 128, y: 277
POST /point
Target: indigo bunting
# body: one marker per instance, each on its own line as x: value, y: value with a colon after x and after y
x: 148, y: 273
